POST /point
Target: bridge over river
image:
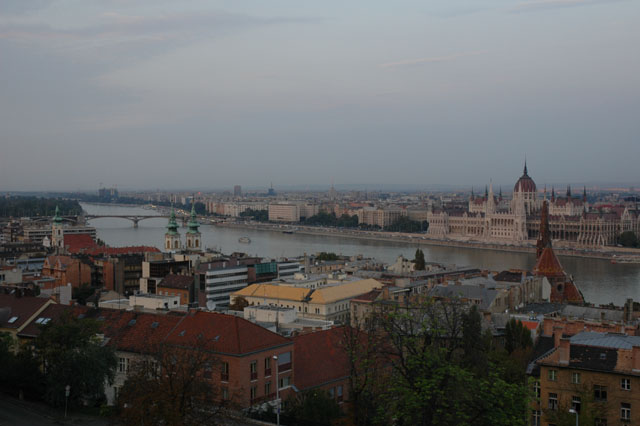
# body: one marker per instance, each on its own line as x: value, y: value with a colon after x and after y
x: 132, y: 217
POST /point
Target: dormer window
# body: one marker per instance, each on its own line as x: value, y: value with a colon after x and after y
x: 12, y: 320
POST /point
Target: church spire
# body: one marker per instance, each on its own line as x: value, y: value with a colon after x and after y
x: 544, y: 239
x: 193, y: 221
x: 584, y: 194
x: 525, y: 166
x: 553, y: 194
x: 568, y: 191
x: 56, y: 217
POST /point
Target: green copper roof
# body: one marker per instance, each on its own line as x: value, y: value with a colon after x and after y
x: 57, y: 218
x: 193, y: 222
x: 172, y: 226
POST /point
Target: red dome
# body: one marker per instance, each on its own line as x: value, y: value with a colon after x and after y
x: 525, y: 183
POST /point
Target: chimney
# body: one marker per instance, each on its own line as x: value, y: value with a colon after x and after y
x: 557, y: 335
x: 564, y: 350
x: 547, y: 327
x: 635, y: 353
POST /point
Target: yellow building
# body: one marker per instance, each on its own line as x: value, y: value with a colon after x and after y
x: 330, y: 303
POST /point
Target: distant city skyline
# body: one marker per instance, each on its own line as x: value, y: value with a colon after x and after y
x: 200, y: 94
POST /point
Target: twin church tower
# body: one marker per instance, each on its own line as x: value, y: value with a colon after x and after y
x: 172, y: 237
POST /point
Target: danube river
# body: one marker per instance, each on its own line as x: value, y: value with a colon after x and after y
x: 600, y: 281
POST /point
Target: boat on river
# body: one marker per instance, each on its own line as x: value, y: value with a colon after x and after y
x: 625, y: 259
x: 245, y: 240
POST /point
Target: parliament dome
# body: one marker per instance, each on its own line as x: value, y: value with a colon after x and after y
x: 525, y: 183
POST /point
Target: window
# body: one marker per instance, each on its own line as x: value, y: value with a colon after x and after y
x: 207, y: 370
x: 600, y: 422
x: 332, y: 392
x: 285, y: 382
x: 253, y: 369
x: 536, y: 389
x: 553, y: 401
x: 115, y: 393
x: 575, y: 378
x: 576, y: 403
x: 340, y: 393
x: 224, y: 372
x: 625, y: 384
x: 535, y: 418
x: 267, y: 366
x: 225, y: 393
x: 267, y: 388
x: 123, y: 365
x: 625, y: 411
x: 317, y: 310
x: 599, y: 393
x: 553, y: 375
x: 254, y: 392
x: 284, y: 361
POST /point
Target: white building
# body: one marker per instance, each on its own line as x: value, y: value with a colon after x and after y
x: 221, y: 282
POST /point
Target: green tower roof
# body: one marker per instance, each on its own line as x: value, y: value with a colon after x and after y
x: 193, y: 222
x: 172, y: 226
x: 57, y: 218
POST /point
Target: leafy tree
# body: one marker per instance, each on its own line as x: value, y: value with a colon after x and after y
x: 325, y: 256
x: 82, y: 293
x: 20, y: 372
x: 173, y: 385
x: 404, y: 224
x: 419, y: 261
x: 517, y: 336
x: 257, y: 215
x: 239, y: 304
x: 313, y: 408
x: 35, y: 206
x: 628, y: 239
x: 71, y: 354
x: 434, y: 376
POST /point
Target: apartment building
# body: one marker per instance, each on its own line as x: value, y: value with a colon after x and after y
x: 220, y: 283
x: 284, y: 213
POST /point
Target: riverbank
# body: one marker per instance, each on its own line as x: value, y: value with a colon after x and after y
x: 421, y: 239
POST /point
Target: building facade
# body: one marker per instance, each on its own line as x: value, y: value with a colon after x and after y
x: 492, y: 218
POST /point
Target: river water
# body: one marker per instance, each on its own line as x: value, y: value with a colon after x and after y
x: 600, y: 281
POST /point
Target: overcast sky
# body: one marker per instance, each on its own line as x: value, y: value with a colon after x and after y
x: 179, y: 94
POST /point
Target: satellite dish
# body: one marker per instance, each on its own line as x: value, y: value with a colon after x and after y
x: 211, y: 305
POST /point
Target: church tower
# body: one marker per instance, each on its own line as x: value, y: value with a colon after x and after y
x: 194, y: 239
x: 172, y: 237
x: 57, y: 232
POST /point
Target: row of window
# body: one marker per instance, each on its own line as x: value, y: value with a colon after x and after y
x: 576, y: 404
x: 576, y: 379
x: 284, y: 364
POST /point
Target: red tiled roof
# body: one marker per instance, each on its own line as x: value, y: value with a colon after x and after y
x: 531, y: 325
x: 549, y: 265
x: 229, y: 334
x: 319, y: 358
x: 176, y: 281
x: 52, y: 312
x: 20, y: 308
x: 76, y: 243
x: 104, y: 250
x: 368, y: 297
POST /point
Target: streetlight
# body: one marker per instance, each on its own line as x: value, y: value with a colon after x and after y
x: 67, y: 391
x: 574, y: 411
x: 275, y: 357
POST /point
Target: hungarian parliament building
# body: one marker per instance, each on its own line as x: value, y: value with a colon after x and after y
x: 571, y: 219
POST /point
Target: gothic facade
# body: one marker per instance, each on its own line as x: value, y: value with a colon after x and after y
x: 494, y: 219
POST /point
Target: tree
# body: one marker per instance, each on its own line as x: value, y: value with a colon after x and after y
x: 430, y: 377
x: 239, y: 304
x: 419, y: 261
x: 628, y: 239
x: 72, y: 354
x: 312, y: 408
x: 173, y: 385
x: 82, y: 293
x: 20, y: 372
x: 517, y: 336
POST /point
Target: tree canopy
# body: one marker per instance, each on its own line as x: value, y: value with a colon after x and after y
x: 419, y: 261
x: 72, y: 354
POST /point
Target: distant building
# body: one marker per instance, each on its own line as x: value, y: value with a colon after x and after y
x: 284, y: 213
x: 237, y: 191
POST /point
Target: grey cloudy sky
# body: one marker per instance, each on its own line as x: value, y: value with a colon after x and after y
x: 175, y: 94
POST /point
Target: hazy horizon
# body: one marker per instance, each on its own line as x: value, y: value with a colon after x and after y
x: 200, y: 94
